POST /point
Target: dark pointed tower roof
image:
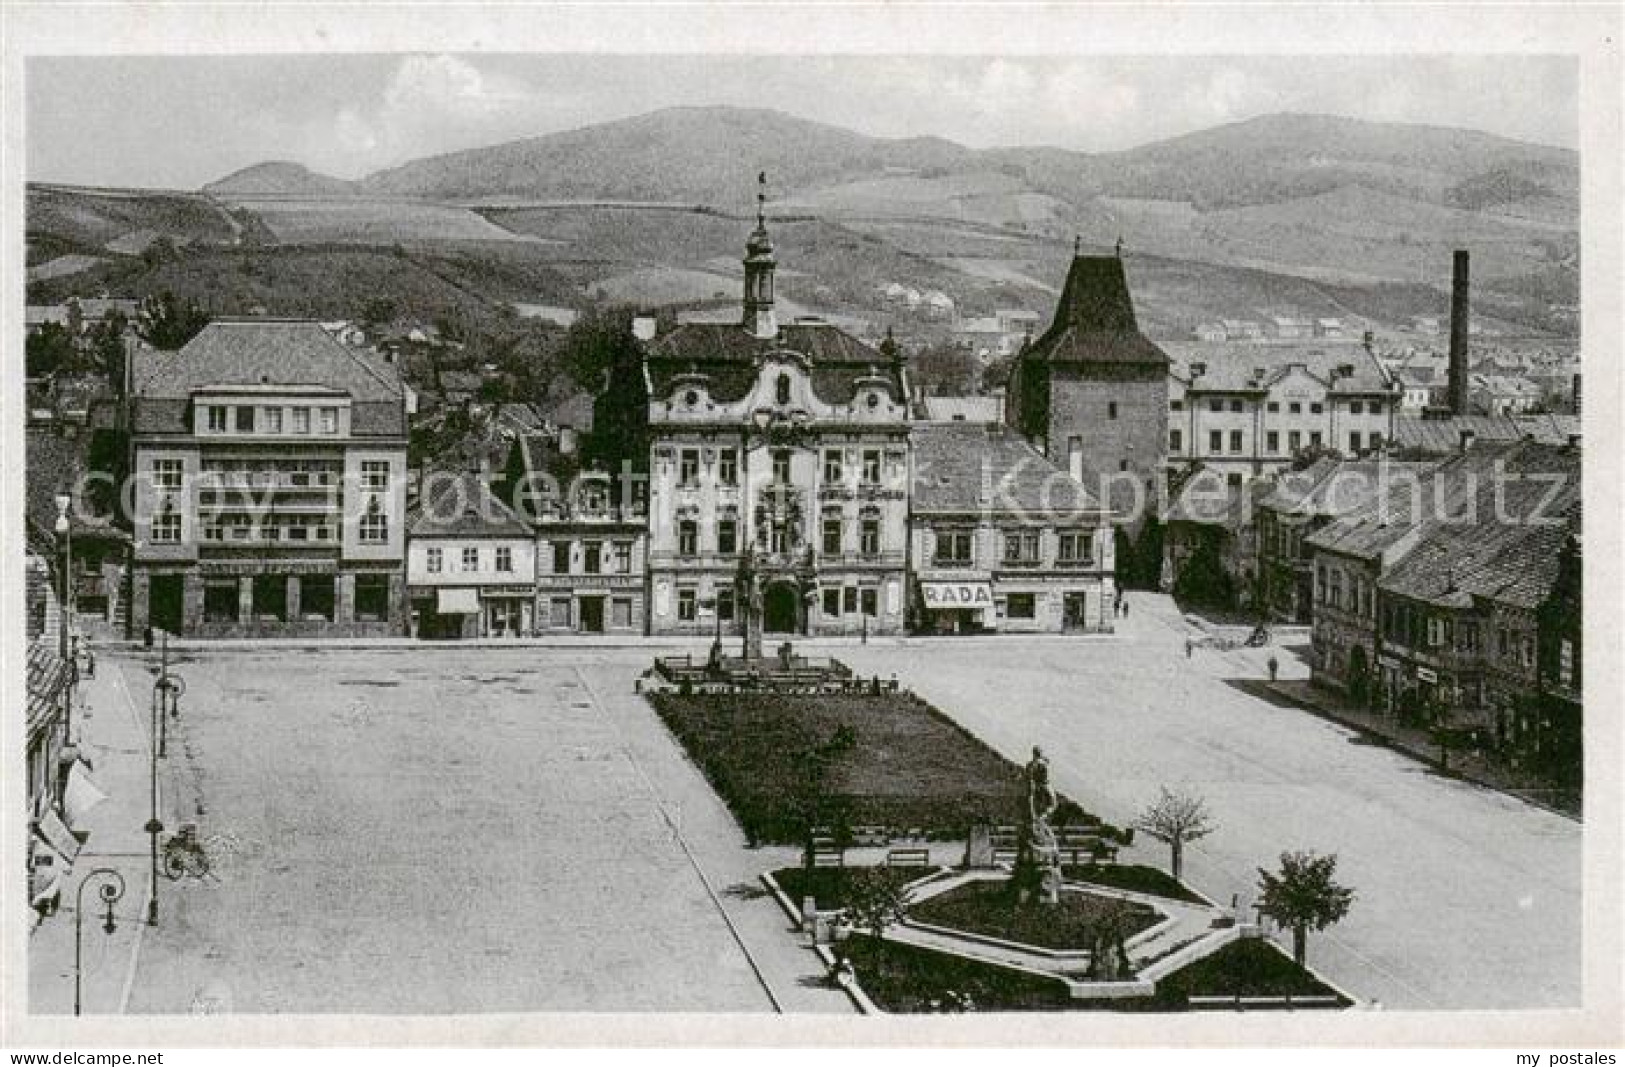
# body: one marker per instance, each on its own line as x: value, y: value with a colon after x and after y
x: 1094, y: 321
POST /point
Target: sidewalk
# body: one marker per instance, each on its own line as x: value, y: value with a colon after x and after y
x: 111, y: 724
x: 1419, y: 744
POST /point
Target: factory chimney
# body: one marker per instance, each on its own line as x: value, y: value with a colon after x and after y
x: 1459, y: 317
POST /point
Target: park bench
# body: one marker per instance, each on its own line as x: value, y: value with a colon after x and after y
x: 908, y: 857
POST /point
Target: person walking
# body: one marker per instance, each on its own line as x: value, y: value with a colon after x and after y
x: 1189, y: 647
x: 1275, y: 667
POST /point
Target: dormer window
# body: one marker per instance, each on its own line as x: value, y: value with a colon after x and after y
x: 782, y: 389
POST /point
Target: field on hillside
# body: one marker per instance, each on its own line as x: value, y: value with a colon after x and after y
x: 92, y: 220
x: 353, y: 220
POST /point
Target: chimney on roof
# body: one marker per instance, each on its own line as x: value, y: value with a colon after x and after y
x: 1198, y: 369
x: 1460, y: 317
x: 1467, y: 437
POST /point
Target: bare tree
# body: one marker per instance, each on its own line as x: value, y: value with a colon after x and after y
x: 1176, y: 818
x: 1303, y: 897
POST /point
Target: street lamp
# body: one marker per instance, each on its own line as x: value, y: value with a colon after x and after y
x: 64, y: 540
x: 154, y: 826
x: 112, y: 888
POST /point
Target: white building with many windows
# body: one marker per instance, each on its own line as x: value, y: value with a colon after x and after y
x: 471, y: 562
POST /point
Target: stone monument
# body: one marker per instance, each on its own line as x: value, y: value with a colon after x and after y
x: 1037, y: 875
x: 749, y: 584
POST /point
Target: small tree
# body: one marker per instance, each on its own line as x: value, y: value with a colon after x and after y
x: 1175, y: 819
x: 1303, y: 897
x: 874, y: 902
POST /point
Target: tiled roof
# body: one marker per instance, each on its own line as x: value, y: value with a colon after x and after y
x: 971, y: 468
x: 1094, y: 321
x: 962, y: 409
x: 1231, y: 368
x: 1437, y: 436
x: 1332, y: 487
x: 269, y: 352
x: 1205, y: 497
x: 462, y: 505
x: 727, y: 355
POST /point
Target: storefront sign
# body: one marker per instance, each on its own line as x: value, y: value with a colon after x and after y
x: 457, y: 602
x: 974, y: 595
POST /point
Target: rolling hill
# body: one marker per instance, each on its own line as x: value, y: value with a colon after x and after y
x: 1282, y: 213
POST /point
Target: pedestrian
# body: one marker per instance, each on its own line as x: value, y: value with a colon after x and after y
x: 1275, y: 667
x: 1190, y: 647
x: 1125, y: 609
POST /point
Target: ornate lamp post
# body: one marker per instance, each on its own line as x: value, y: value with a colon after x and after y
x: 112, y: 888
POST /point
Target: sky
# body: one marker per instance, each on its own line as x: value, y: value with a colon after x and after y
x: 180, y: 122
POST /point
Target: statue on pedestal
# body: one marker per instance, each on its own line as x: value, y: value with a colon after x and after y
x: 748, y: 584
x: 1037, y: 875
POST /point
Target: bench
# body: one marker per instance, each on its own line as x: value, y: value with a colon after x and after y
x: 908, y: 857
x: 829, y: 857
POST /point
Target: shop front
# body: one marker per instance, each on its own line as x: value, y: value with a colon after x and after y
x: 956, y: 607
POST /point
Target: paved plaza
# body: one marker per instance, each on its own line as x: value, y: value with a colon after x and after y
x: 441, y: 829
x: 1466, y: 898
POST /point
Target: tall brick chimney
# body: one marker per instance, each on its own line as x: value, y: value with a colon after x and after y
x: 1459, y: 317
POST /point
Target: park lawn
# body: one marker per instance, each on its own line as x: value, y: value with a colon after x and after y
x: 904, y: 978
x: 827, y: 885
x: 987, y: 908
x: 911, y: 767
x: 1135, y: 879
x: 1250, y: 967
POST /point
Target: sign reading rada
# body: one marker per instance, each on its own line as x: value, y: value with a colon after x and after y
x: 957, y: 594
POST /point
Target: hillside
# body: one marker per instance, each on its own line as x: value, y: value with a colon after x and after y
x: 278, y: 178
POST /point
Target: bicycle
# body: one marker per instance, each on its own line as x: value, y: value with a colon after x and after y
x: 183, y: 854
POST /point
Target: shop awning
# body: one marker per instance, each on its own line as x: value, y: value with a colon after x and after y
x: 971, y: 595
x: 457, y: 602
x: 56, y: 836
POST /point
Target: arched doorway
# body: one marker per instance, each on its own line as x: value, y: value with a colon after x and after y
x: 779, y: 609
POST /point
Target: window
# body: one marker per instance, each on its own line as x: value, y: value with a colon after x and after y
x: 832, y: 535
x: 849, y: 599
x: 1294, y: 440
x: 1274, y: 406
x: 781, y: 467
x: 301, y: 420
x: 1215, y: 405
x: 870, y: 602
x: 728, y: 467
x: 1215, y: 441
x: 1076, y: 548
x: 688, y: 538
x: 1111, y: 409
x: 1354, y: 444
x: 433, y: 560
x: 832, y: 603
x: 871, y: 467
x: 471, y: 559
x: 374, y: 528
x: 1375, y: 407
x: 725, y: 603
x: 504, y: 559
x: 372, y: 597
x: 1374, y: 442
x: 869, y: 538
x: 1565, y: 663
x: 330, y: 420
x: 316, y: 597
x: 623, y: 557
x: 686, y: 605
x: 1233, y: 480
x: 781, y: 389
x: 561, y: 557
x: 1021, y: 546
x: 833, y: 467
x: 375, y: 474
x: 1176, y: 405
x: 688, y: 468
x: 1235, y: 440
x: 1336, y: 598
x: 244, y: 418
x: 954, y: 548
x: 1176, y: 440
x: 1235, y: 405
x: 273, y: 420
x: 166, y: 528
x: 1435, y: 633
x: 727, y: 540
x: 166, y: 473
x: 217, y: 418
x: 1273, y: 441
x: 1316, y: 409
x: 270, y: 596
x: 1320, y: 583
x: 220, y: 601
x: 1314, y: 438
x: 592, y: 557
x: 1295, y: 408
x: 1021, y: 606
